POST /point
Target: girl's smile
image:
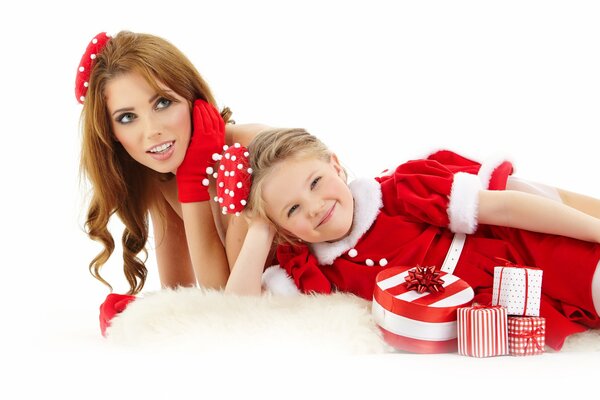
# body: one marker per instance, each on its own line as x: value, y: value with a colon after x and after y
x: 309, y: 198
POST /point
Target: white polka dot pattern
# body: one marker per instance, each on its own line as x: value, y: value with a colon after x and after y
x: 519, y: 289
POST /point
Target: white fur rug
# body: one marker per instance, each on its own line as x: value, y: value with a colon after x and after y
x: 210, y: 322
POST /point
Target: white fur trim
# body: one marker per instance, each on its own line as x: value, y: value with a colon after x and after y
x: 276, y: 281
x: 464, y: 201
x: 487, y: 169
x: 367, y: 202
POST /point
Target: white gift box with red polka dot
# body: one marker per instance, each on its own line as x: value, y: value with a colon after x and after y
x: 519, y: 289
x: 418, y: 322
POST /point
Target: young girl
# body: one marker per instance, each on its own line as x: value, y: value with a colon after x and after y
x: 147, y: 117
x: 444, y: 210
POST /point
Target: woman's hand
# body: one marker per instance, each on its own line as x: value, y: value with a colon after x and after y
x: 208, y: 138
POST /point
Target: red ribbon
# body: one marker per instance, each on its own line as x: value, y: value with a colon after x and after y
x: 424, y: 279
x: 510, y: 264
x: 532, y: 336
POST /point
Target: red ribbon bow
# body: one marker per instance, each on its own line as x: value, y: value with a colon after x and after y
x: 532, y: 336
x: 424, y: 279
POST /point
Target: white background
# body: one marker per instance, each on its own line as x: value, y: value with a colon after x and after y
x: 379, y: 81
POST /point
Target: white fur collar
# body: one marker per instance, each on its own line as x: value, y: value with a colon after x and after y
x: 367, y: 202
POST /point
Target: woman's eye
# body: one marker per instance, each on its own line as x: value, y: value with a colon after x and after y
x: 292, y: 209
x: 314, y: 182
x: 125, y: 118
x: 163, y: 103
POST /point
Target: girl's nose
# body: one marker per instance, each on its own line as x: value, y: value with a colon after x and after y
x: 317, y: 207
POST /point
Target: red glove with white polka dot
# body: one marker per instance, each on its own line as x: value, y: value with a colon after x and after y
x: 208, y: 138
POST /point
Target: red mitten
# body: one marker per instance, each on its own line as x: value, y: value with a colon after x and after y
x: 113, y: 305
x: 208, y: 138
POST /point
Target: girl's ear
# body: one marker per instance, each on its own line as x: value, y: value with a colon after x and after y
x: 338, y: 167
x: 336, y: 163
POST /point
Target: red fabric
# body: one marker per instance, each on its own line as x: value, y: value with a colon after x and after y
x: 82, y: 78
x: 412, y: 229
x: 113, y: 305
x: 208, y: 138
x: 234, y: 178
x: 304, y: 269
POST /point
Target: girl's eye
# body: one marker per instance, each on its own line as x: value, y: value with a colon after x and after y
x: 162, y: 103
x: 292, y: 209
x: 125, y: 118
x: 314, y: 182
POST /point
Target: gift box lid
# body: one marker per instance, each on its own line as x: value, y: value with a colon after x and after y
x: 392, y: 293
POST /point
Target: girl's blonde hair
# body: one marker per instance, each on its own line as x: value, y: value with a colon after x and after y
x: 120, y: 185
x: 271, y: 147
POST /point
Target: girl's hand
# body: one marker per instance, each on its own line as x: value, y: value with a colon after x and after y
x: 257, y: 223
x: 208, y: 137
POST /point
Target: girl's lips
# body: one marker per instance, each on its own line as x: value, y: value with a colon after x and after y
x: 164, y: 155
x: 327, y: 216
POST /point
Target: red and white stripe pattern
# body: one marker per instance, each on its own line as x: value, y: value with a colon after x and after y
x: 418, y: 322
x: 482, y: 331
x: 526, y: 335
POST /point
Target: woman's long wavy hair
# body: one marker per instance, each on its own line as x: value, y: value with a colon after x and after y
x: 120, y: 185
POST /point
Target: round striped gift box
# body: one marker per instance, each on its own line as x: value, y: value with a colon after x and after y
x: 418, y: 322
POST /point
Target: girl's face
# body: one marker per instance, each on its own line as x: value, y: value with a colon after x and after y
x: 310, y: 199
x: 155, y: 131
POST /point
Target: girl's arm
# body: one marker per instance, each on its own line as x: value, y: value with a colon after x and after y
x: 536, y: 213
x: 245, y: 278
x: 174, y: 264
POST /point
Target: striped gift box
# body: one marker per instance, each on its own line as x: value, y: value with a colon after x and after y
x: 526, y: 335
x: 482, y: 331
x: 418, y: 322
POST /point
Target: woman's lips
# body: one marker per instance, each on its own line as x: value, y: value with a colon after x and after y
x: 161, y: 156
x: 327, y: 216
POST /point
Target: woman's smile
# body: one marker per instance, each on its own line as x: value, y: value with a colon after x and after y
x: 162, y: 151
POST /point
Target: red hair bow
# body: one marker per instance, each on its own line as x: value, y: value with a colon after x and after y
x: 82, y: 79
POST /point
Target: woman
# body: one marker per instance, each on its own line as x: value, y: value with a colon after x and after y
x: 139, y: 94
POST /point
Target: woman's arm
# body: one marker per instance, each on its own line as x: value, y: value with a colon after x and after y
x: 242, y: 133
x: 536, y: 213
x: 237, y: 227
x: 205, y: 248
x: 174, y: 264
x: 246, y: 275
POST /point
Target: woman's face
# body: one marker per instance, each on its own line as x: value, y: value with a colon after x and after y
x: 155, y: 131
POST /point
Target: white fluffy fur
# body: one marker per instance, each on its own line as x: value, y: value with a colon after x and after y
x: 211, y: 322
x: 367, y: 202
x: 208, y: 322
x: 464, y: 200
x: 276, y: 281
x: 487, y: 169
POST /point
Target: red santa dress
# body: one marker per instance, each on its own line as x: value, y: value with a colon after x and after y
x: 409, y: 216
